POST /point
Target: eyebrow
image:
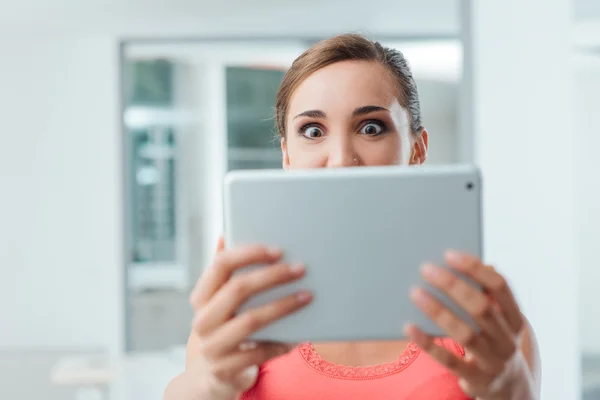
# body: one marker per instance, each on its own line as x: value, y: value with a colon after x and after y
x: 367, y: 110
x: 356, y: 113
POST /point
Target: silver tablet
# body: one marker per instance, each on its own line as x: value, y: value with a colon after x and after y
x: 363, y: 234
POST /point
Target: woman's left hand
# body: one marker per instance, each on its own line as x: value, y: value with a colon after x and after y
x: 493, y: 361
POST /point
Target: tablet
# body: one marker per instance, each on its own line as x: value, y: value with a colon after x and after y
x: 363, y: 234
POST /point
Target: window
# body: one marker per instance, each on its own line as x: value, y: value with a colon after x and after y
x: 251, y: 134
x: 153, y: 211
x: 151, y: 134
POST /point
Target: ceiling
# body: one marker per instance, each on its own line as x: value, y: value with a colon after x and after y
x: 143, y: 17
x: 243, y: 17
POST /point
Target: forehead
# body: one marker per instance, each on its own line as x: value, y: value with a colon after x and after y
x: 345, y: 85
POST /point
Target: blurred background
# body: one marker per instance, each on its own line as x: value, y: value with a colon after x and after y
x: 120, y: 119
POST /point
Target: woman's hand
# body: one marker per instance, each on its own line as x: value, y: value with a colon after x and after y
x: 220, y: 363
x: 494, y: 366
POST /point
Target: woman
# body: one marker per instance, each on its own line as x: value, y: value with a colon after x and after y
x: 347, y: 102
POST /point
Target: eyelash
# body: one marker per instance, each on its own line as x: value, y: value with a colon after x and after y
x: 381, y: 125
x: 375, y: 122
x: 304, y: 128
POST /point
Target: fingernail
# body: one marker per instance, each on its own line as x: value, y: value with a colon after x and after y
x: 192, y: 297
x: 419, y: 296
x: 429, y: 270
x: 303, y: 297
x: 407, y: 328
x: 453, y: 255
x: 251, y: 372
x: 248, y: 346
x: 297, y: 269
x: 274, y: 252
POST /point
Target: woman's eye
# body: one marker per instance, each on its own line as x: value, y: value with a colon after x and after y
x: 371, y: 129
x: 313, y: 132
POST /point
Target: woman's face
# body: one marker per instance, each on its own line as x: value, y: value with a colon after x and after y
x: 347, y: 114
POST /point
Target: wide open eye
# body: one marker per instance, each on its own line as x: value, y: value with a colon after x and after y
x: 312, y: 132
x: 372, y: 129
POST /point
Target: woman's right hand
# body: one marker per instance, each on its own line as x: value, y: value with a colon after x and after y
x: 220, y: 362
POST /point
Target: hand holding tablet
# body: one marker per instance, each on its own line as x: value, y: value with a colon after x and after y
x: 362, y: 234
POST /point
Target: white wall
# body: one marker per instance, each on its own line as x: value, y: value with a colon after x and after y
x: 60, y: 169
x: 522, y: 114
x: 586, y: 134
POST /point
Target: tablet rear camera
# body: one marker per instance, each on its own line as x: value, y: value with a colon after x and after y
x: 470, y: 185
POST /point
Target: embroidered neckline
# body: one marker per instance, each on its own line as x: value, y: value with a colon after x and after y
x: 316, y: 362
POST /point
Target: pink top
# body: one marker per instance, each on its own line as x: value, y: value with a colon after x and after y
x: 303, y: 374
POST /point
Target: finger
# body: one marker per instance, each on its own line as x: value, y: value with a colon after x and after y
x: 230, y: 335
x: 220, y: 244
x: 194, y: 295
x: 449, y: 360
x: 471, y: 388
x: 225, y: 263
x: 461, y: 332
x: 230, y: 390
x: 492, y: 282
x: 231, y: 368
x: 239, y: 289
x: 473, y: 301
x: 508, y: 349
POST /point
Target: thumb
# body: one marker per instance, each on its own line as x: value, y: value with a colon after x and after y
x: 247, y: 379
x: 232, y: 390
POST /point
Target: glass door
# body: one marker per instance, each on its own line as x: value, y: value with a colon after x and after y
x: 192, y: 112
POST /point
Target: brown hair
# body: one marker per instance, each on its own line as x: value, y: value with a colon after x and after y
x: 349, y: 47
